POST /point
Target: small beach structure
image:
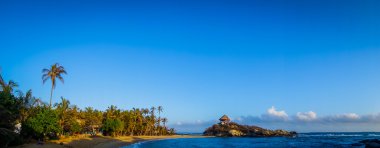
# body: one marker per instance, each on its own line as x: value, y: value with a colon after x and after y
x: 224, y: 120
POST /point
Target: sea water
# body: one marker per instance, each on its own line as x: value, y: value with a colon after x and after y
x: 302, y: 140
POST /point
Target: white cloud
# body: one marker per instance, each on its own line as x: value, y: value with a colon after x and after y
x: 272, y: 113
x: 346, y: 117
x: 306, y: 116
x: 375, y: 118
x: 351, y: 116
x: 300, y: 122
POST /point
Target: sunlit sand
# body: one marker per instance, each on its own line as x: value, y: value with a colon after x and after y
x: 100, y: 141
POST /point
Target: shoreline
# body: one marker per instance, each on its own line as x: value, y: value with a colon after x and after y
x: 158, y: 139
x: 101, y: 141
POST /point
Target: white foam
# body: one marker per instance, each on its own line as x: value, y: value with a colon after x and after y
x: 330, y: 135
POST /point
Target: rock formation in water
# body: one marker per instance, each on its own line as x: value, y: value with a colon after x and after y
x: 371, y: 143
x: 230, y: 129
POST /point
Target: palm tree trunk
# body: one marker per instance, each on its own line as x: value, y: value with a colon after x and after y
x: 159, y: 118
x: 51, y: 94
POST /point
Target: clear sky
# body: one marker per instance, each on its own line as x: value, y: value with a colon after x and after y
x: 315, y: 62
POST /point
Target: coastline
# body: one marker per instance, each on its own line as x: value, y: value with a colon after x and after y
x: 101, y: 141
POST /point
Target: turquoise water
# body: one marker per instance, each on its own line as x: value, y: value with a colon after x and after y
x: 303, y: 140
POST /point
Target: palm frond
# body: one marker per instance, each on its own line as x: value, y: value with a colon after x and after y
x: 45, y: 70
x: 29, y: 94
x: 19, y: 93
x: 1, y: 79
x: 44, y: 79
x: 12, y: 83
x: 60, y: 78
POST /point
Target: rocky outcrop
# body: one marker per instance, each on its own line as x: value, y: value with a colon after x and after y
x: 235, y: 130
x: 371, y: 143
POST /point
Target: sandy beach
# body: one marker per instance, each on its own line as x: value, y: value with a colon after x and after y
x: 100, y: 141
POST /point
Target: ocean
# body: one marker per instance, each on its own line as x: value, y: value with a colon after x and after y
x: 323, y: 140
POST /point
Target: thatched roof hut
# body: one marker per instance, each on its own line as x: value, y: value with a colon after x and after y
x: 224, y: 118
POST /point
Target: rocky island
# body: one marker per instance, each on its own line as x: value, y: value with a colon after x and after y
x: 226, y: 128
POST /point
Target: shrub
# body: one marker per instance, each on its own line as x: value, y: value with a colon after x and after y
x: 44, y: 124
x: 75, y: 127
x: 112, y: 127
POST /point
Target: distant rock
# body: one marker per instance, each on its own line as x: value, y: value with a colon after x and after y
x: 231, y: 129
x: 371, y: 143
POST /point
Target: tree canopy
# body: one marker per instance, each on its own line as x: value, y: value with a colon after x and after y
x: 39, y: 120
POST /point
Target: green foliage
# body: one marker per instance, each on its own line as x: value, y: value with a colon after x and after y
x: 92, y: 120
x: 9, y: 114
x: 9, y: 110
x: 40, y: 121
x: 68, y: 117
x: 112, y: 127
x: 44, y: 123
x: 137, y: 121
x: 75, y: 127
x: 9, y: 138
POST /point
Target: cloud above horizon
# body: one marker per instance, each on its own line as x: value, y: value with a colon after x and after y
x: 300, y: 122
x: 273, y: 114
x: 306, y: 116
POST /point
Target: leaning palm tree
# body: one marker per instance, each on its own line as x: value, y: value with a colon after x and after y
x: 54, y: 72
x: 8, y: 87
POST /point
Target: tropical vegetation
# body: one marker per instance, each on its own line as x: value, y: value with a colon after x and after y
x: 26, y: 118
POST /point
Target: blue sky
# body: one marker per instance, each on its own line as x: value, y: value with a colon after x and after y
x: 203, y: 59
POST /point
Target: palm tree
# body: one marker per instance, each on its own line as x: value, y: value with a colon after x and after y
x: 159, y: 109
x: 37, y: 102
x: 2, y: 82
x: 8, y: 87
x: 153, y: 118
x: 152, y: 110
x: 26, y: 102
x: 62, y: 109
x: 54, y: 72
x: 164, y: 120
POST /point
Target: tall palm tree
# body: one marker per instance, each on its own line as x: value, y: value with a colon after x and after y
x: 159, y: 109
x: 54, y: 72
x: 153, y: 118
